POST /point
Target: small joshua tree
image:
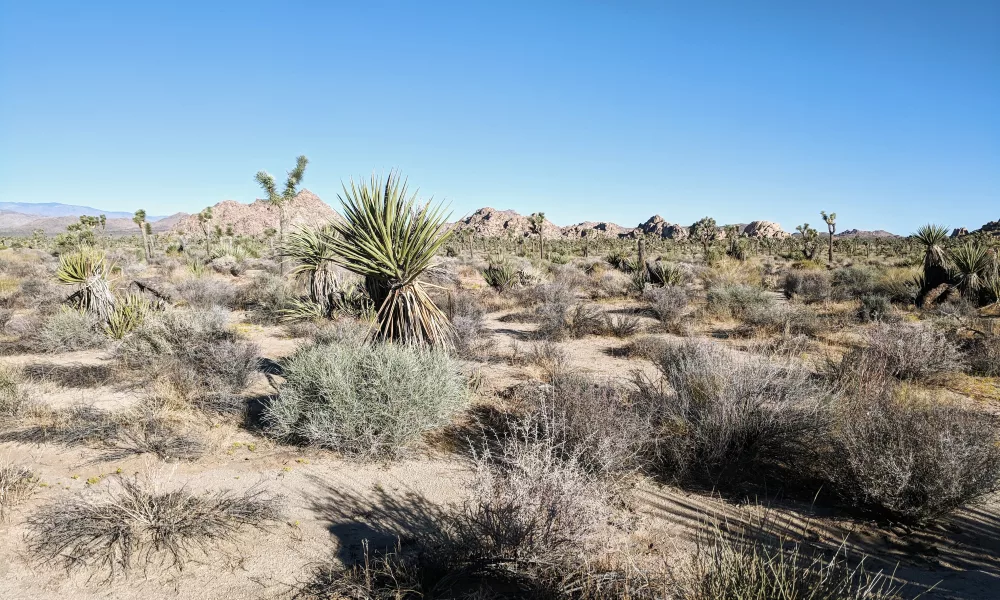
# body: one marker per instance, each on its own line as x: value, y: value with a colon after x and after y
x: 140, y: 219
x: 204, y: 218
x: 279, y: 201
x: 705, y: 231
x: 537, y: 223
x: 831, y: 227
x: 808, y: 237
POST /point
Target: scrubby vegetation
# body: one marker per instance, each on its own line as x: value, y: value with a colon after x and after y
x: 577, y: 404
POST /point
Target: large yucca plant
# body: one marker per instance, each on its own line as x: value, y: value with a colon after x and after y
x: 389, y: 239
x: 313, y: 255
x: 91, y: 275
x: 933, y: 238
x: 971, y: 264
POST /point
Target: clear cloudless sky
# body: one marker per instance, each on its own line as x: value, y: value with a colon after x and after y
x: 885, y: 111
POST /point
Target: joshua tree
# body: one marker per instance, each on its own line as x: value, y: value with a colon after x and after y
x: 390, y: 240
x: 537, y: 223
x: 933, y: 237
x: 808, y: 237
x: 831, y: 227
x: 204, y: 218
x: 140, y: 219
x: 82, y: 232
x: 705, y: 231
x: 736, y: 249
x: 266, y: 181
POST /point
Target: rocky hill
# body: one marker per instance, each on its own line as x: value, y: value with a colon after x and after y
x: 860, y: 233
x: 658, y: 226
x: 490, y: 222
x: 991, y: 228
x: 306, y: 209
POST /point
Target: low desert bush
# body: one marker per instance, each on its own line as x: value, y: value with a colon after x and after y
x: 207, y: 292
x: 876, y: 308
x: 550, y: 358
x: 532, y: 513
x: 781, y: 319
x: 15, y: 400
x: 910, y: 459
x: 982, y: 353
x: 728, y: 419
x: 195, y: 352
x: 727, y: 272
x: 670, y: 304
x: 133, y: 525
x: 898, y: 284
x: 609, y: 284
x: 265, y: 298
x: 736, y: 301
x: 850, y: 283
x: 137, y: 430
x: 17, y: 484
x: 622, y: 325
x: 807, y: 285
x: 606, y: 428
x: 370, y: 401
x: 911, y: 351
x: 471, y: 337
x: 561, y: 316
x: 67, y: 330
x: 750, y: 563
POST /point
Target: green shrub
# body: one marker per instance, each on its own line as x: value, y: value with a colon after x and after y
x: 368, y: 401
x: 853, y: 282
x: 736, y: 301
x: 875, y: 307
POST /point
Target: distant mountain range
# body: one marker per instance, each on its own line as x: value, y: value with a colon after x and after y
x: 307, y: 209
x: 55, y: 209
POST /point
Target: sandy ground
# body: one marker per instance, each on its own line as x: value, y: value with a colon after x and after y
x: 333, y: 504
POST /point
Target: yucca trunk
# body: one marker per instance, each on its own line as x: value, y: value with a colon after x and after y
x: 407, y: 314
x: 323, y: 282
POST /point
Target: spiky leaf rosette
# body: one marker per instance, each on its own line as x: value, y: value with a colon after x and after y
x: 390, y: 240
x: 91, y: 275
x: 972, y: 264
x: 313, y: 256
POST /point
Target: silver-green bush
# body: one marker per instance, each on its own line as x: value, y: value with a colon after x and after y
x: 365, y: 400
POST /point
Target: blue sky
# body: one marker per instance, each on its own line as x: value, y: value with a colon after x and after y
x: 887, y: 112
